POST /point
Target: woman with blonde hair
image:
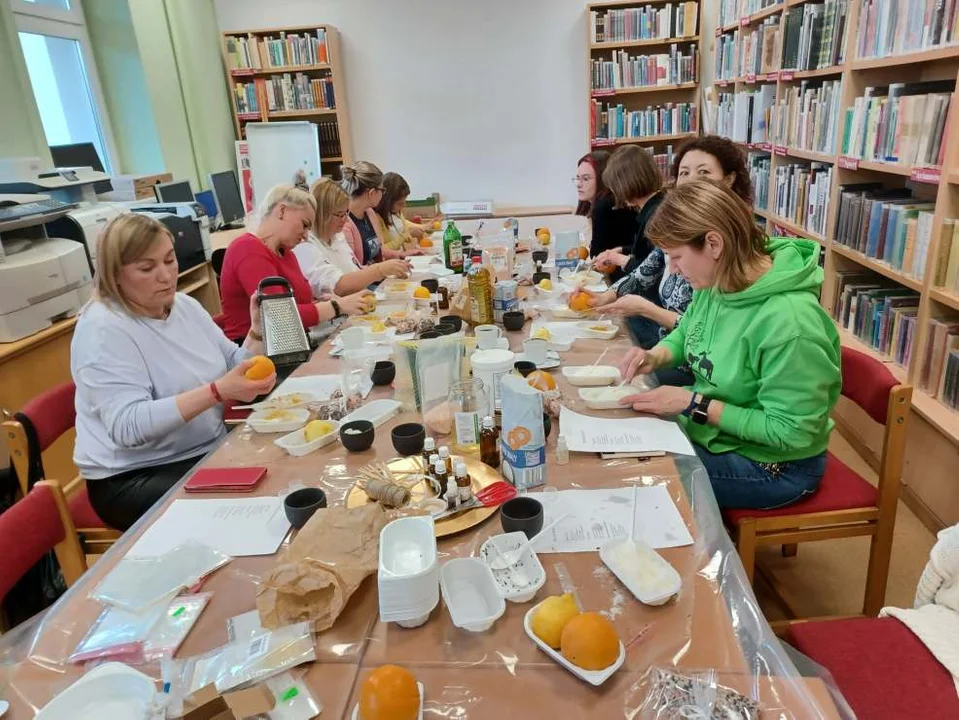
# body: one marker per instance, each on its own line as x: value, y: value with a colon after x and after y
x: 286, y: 216
x: 763, y: 352
x: 151, y: 369
x: 363, y: 183
x: 325, y: 256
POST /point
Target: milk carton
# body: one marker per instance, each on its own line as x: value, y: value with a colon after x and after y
x: 523, y: 439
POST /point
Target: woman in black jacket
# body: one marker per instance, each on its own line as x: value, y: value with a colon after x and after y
x: 612, y: 227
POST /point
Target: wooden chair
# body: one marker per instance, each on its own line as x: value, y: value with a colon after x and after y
x: 34, y: 525
x: 845, y: 505
x: 52, y: 413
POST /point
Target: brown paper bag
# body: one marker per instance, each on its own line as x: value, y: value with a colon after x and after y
x: 324, y: 565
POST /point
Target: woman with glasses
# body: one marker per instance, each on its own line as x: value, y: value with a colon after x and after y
x: 363, y: 182
x: 612, y: 227
x: 326, y: 258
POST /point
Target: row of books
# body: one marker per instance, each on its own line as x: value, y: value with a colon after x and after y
x: 285, y: 92
x: 250, y: 52
x: 946, y: 270
x: 614, y: 122
x: 758, y: 48
x: 745, y: 116
x: 627, y: 71
x: 329, y: 136
x: 903, y: 123
x: 806, y: 116
x: 726, y: 65
x: 888, y: 225
x: 664, y: 161
x: 813, y: 35
x: 759, y: 169
x: 730, y: 11
x: 891, y: 27
x: 939, y: 372
x: 802, y: 194
x: 882, y: 315
x: 644, y: 23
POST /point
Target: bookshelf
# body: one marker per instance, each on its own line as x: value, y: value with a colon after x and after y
x: 643, y: 71
x: 290, y: 73
x: 927, y: 185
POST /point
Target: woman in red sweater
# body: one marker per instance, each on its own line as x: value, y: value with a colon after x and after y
x: 286, y: 218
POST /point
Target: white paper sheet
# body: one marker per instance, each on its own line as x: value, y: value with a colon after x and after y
x: 319, y: 386
x: 238, y: 527
x: 598, y: 516
x: 586, y: 433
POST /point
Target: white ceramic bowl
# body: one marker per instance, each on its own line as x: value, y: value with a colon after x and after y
x: 290, y: 421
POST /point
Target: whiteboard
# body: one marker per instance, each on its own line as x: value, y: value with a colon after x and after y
x: 277, y: 150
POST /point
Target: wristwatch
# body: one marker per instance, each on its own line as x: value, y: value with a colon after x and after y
x: 700, y: 414
x: 336, y: 308
x: 692, y: 404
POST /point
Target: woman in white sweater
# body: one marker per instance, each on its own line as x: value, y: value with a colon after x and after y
x: 151, y: 369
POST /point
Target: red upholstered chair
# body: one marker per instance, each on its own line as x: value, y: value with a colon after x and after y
x: 845, y: 505
x: 52, y: 413
x: 882, y: 669
x: 37, y: 523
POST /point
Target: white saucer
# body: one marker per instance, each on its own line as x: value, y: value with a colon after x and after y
x: 552, y: 360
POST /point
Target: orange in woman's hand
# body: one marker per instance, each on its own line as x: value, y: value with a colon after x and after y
x: 261, y: 368
x: 579, y: 301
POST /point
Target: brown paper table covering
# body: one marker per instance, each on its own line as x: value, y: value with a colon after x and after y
x: 714, y: 623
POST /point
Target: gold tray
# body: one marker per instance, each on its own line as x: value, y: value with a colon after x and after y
x: 482, y: 476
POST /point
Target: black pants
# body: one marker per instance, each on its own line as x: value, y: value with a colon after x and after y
x: 120, y: 500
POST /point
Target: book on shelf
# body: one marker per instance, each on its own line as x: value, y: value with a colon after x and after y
x: 285, y: 92
x: 649, y: 22
x: 903, y: 123
x: 329, y: 137
x: 751, y: 7
x: 756, y: 45
x: 759, y: 171
x: 942, y: 337
x: 813, y: 35
x: 802, y: 194
x: 728, y: 12
x: 949, y: 382
x: 726, y: 63
x: 948, y: 279
x: 894, y: 27
x: 806, y: 116
x: 881, y: 315
x: 612, y: 122
x: 745, y: 116
x: 628, y: 71
x: 289, y: 49
x: 245, y: 97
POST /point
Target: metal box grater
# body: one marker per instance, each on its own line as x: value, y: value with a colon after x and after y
x: 283, y: 336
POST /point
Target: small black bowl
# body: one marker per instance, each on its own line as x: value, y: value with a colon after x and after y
x: 540, y: 256
x: 383, y: 373
x: 538, y: 276
x: 408, y: 438
x: 522, y: 514
x: 431, y: 284
x: 428, y: 335
x: 444, y: 329
x: 454, y: 320
x: 359, y: 440
x: 524, y: 367
x: 300, y: 505
x: 514, y: 320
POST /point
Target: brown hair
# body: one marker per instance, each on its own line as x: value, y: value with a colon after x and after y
x: 395, y: 188
x: 360, y: 177
x: 329, y: 197
x: 630, y: 174
x: 597, y: 160
x: 691, y: 210
x: 728, y: 154
x: 125, y: 239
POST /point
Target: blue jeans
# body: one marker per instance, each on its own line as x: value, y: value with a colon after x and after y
x: 742, y: 483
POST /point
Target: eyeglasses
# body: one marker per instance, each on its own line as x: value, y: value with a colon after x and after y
x: 340, y: 215
x: 582, y: 179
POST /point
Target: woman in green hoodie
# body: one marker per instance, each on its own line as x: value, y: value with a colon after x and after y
x: 764, y: 354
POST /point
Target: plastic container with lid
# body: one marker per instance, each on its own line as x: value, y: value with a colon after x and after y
x: 490, y: 366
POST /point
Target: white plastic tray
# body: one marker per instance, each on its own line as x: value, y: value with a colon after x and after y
x: 299, y: 418
x: 593, y: 677
x: 376, y: 411
x: 296, y: 445
x: 520, y: 581
x: 281, y: 397
x: 654, y: 586
x: 356, y: 708
x: 112, y: 690
x: 588, y: 329
x: 471, y: 594
x: 607, y: 398
x: 591, y: 375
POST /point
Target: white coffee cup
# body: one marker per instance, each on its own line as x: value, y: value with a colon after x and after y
x: 535, y: 349
x: 487, y: 336
x: 353, y: 338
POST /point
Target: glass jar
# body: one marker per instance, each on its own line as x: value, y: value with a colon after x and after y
x: 469, y: 403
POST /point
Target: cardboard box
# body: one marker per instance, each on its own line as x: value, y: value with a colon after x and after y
x: 208, y: 704
x: 136, y: 187
x: 425, y: 208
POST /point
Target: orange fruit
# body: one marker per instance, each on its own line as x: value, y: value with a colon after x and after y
x: 389, y: 693
x: 590, y: 642
x: 580, y: 301
x: 437, y: 225
x: 261, y: 368
x: 421, y: 293
x: 541, y: 380
x: 426, y: 243
x: 542, y: 234
x: 551, y: 617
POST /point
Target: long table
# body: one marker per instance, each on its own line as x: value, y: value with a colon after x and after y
x: 713, y: 623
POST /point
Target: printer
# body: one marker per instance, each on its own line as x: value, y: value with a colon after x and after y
x: 192, y: 211
x: 42, y: 279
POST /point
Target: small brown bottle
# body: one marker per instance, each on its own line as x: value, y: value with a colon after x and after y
x: 489, y: 443
x: 439, y: 472
x: 429, y: 447
x: 464, y: 485
x: 447, y: 458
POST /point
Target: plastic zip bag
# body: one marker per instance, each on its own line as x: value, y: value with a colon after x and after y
x: 696, y: 695
x: 294, y: 701
x: 117, y: 633
x: 174, y: 625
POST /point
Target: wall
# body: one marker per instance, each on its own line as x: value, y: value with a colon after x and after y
x: 472, y: 99
x: 22, y: 132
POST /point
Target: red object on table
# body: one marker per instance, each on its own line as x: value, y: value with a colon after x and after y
x: 226, y: 480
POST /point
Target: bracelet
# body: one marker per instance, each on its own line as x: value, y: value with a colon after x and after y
x: 216, y: 393
x: 255, y: 336
x: 336, y: 308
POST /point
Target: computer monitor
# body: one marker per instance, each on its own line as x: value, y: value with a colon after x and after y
x: 227, y: 191
x: 172, y: 192
x: 208, y: 201
x: 80, y: 155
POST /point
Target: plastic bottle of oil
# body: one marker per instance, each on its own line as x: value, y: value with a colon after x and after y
x: 480, y: 282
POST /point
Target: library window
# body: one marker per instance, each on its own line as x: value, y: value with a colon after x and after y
x: 56, y: 52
